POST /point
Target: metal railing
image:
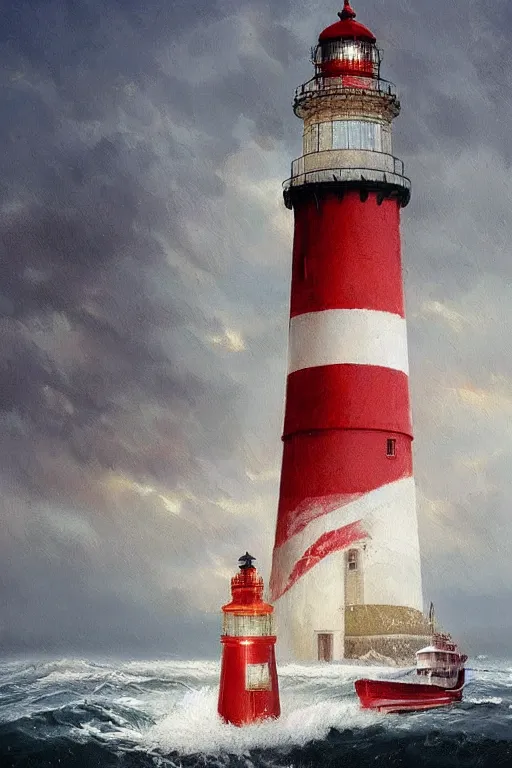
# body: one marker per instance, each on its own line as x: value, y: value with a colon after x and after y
x: 327, y: 86
x: 398, y: 164
x: 347, y: 175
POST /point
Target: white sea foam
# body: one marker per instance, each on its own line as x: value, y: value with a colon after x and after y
x: 195, y: 727
x: 336, y: 671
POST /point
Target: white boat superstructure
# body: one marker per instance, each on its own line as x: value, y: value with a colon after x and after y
x: 440, y: 663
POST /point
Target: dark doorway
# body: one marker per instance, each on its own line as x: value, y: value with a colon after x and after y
x: 325, y: 647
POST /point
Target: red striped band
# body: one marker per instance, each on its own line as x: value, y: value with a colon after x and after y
x: 347, y: 397
x: 347, y: 255
x: 329, y: 542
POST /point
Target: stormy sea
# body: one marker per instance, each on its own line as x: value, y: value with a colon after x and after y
x: 82, y: 713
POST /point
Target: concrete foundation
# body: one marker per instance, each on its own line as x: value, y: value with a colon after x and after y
x: 400, y: 649
x: 392, y: 631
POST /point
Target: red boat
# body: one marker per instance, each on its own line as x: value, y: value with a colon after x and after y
x: 440, y: 680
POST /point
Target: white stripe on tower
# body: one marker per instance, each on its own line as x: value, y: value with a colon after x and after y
x: 351, y: 336
x: 364, y: 519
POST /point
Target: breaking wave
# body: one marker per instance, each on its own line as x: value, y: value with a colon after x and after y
x: 79, y: 713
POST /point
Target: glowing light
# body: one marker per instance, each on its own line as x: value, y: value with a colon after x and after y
x: 352, y: 52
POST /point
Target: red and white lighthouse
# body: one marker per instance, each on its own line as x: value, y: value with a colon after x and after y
x: 346, y: 565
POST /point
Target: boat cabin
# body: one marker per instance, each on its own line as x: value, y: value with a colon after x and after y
x: 440, y: 662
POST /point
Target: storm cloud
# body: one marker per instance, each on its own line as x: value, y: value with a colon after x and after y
x: 145, y: 259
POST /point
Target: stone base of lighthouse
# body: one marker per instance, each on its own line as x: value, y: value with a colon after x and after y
x: 392, y: 631
x: 374, y: 632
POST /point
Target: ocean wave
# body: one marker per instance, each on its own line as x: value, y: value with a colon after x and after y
x: 195, y: 727
x: 485, y: 700
x: 84, y: 713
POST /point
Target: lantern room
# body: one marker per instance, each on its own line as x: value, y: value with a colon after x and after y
x: 347, y: 49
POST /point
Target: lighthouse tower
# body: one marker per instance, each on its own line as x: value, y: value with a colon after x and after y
x: 346, y: 565
x: 249, y: 688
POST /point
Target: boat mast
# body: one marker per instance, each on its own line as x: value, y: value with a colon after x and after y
x: 431, y: 618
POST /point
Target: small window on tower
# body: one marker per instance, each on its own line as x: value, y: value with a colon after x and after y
x: 257, y: 677
x: 353, y: 556
x: 314, y: 138
x: 391, y: 448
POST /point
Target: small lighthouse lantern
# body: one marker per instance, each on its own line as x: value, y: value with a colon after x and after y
x: 249, y: 689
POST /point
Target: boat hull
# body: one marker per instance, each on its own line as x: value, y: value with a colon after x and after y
x: 392, y: 696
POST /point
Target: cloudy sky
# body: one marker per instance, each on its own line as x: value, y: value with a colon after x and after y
x: 144, y: 263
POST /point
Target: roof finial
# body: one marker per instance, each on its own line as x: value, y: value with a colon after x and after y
x: 347, y: 12
x: 246, y: 561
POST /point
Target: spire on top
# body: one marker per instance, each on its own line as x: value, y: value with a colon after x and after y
x: 347, y: 12
x: 246, y: 561
x: 348, y: 28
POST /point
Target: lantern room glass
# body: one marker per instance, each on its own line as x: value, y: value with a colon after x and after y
x: 350, y: 57
x: 356, y: 134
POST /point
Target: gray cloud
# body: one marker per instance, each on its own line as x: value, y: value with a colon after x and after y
x: 144, y: 298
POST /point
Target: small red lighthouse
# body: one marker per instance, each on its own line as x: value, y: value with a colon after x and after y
x: 249, y: 689
x: 346, y: 577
